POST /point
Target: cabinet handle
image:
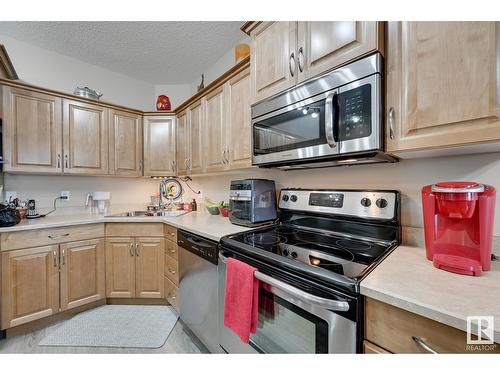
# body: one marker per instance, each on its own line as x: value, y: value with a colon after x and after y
x: 57, y: 236
x: 292, y: 64
x: 391, y: 123
x: 171, y: 271
x: 136, y: 249
x: 224, y: 156
x: 140, y: 166
x: 423, y: 345
x: 130, y: 249
x: 186, y: 164
x: 66, y: 165
x: 172, y: 251
x: 63, y: 254
x: 54, y: 257
x: 171, y: 296
x: 58, y: 160
x: 227, y: 156
x: 189, y: 163
x: 172, y: 165
x: 301, y: 59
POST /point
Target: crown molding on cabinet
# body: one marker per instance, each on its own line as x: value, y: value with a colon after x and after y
x: 6, y: 68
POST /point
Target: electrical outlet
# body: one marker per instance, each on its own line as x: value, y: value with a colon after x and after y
x: 65, y: 194
x: 10, y: 195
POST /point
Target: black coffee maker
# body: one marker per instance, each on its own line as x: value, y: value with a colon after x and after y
x: 252, y: 202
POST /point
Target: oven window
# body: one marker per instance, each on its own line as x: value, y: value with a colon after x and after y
x: 355, y: 117
x: 241, y: 209
x: 302, y: 127
x: 286, y: 328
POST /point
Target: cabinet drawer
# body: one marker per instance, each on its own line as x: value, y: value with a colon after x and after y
x: 172, y: 294
x: 172, y: 269
x: 171, y: 233
x: 171, y: 249
x: 370, y: 348
x: 134, y: 229
x: 49, y: 236
x: 392, y: 328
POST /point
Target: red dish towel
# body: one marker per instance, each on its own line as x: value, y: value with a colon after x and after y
x: 241, y: 309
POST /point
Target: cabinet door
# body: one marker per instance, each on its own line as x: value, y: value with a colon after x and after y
x: 32, y: 131
x: 273, y: 58
x: 82, y: 273
x: 150, y: 259
x: 441, y: 84
x: 182, y: 143
x: 239, y: 136
x: 30, y: 285
x: 195, y: 159
x: 85, y: 134
x: 159, y: 146
x: 125, y: 144
x: 214, y: 138
x: 323, y: 46
x: 120, y: 267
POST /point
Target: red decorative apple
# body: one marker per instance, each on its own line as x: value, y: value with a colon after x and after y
x: 163, y: 103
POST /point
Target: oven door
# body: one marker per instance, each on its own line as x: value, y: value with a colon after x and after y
x: 290, y: 321
x: 299, y: 131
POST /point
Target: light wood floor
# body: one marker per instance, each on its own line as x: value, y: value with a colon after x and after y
x: 180, y: 341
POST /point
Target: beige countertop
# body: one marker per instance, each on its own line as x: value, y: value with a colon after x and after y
x: 200, y: 222
x: 406, y: 279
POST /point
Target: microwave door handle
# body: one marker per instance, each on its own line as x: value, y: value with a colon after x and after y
x: 329, y: 119
x: 298, y: 293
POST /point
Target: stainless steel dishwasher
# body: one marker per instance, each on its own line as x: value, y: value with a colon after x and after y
x: 198, y: 295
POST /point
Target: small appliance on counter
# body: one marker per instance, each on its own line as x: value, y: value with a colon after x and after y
x: 252, y: 202
x: 458, y: 223
x: 100, y: 199
x: 32, y: 213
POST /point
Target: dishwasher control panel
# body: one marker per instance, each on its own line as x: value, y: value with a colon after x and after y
x: 204, y: 248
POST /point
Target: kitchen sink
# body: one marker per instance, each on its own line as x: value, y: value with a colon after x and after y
x: 148, y: 213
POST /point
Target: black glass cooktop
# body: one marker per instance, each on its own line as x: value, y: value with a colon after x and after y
x: 342, y: 254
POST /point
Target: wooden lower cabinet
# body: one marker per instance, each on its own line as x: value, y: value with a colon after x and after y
x: 371, y: 348
x: 30, y: 285
x: 392, y: 329
x: 172, y: 293
x: 82, y: 273
x: 149, y: 267
x: 120, y: 267
x: 134, y: 267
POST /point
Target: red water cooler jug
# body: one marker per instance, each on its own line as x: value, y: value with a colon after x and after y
x: 458, y: 224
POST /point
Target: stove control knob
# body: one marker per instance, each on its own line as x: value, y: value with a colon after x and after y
x: 293, y: 254
x: 366, y: 202
x: 285, y: 252
x: 293, y: 198
x: 381, y: 203
x: 285, y: 198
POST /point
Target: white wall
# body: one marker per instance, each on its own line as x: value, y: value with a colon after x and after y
x: 52, y: 70
x: 221, y: 66
x: 407, y: 176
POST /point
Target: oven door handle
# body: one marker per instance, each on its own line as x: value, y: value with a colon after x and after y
x: 329, y: 119
x: 298, y: 293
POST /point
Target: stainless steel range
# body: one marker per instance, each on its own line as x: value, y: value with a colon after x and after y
x: 310, y: 267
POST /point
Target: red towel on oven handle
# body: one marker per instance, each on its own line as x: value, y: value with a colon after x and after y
x: 241, y: 307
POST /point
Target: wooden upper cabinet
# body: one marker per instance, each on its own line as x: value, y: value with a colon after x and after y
x: 120, y: 267
x: 32, y: 131
x: 442, y: 84
x: 30, y: 285
x: 159, y: 146
x: 239, y: 131
x: 85, y: 138
x: 82, y: 273
x: 272, y: 62
x: 325, y: 45
x: 182, y: 143
x: 196, y: 124
x: 214, y: 137
x: 149, y: 265
x: 125, y: 144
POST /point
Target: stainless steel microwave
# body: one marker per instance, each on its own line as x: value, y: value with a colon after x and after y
x: 334, y: 119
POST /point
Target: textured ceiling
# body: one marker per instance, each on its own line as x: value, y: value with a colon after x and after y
x: 155, y: 52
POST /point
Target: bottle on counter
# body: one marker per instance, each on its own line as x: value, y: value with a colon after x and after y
x: 194, y: 206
